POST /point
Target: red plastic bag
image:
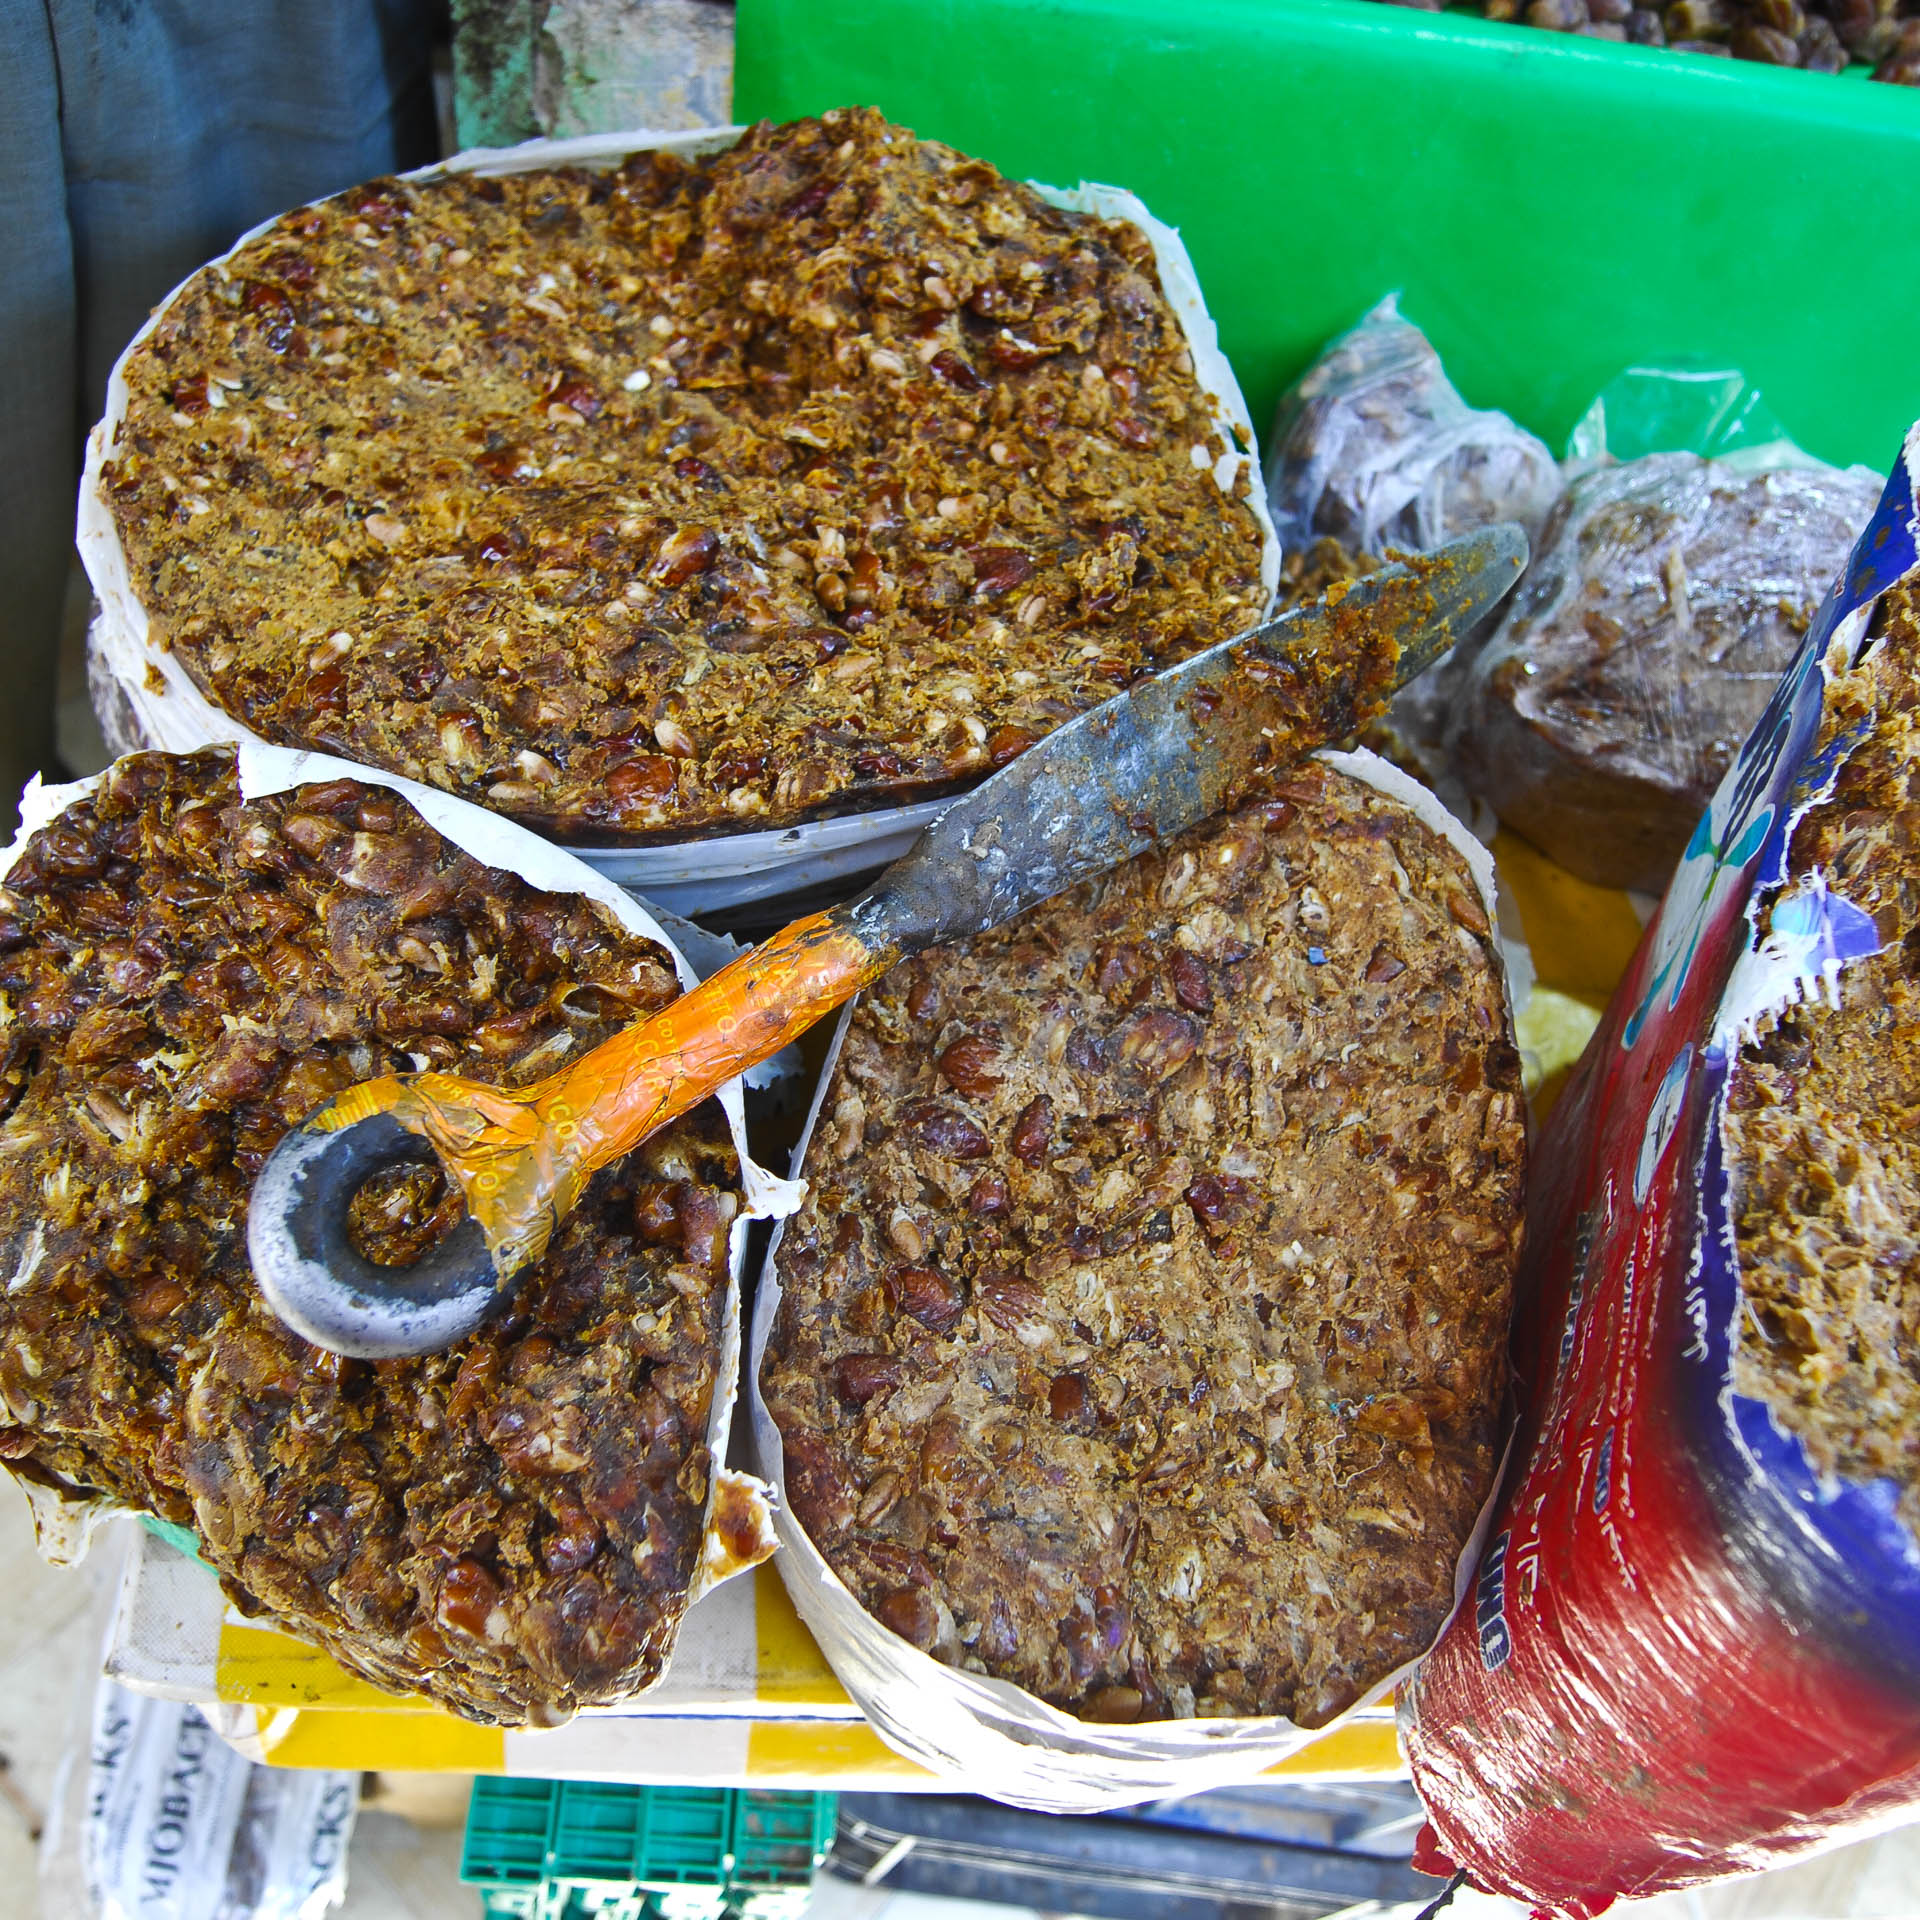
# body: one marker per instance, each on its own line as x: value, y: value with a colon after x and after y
x: 1689, y: 1653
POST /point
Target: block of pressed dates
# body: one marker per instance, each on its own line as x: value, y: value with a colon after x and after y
x: 511, y: 1526
x: 1141, y: 1339
x: 1822, y: 1151
x: 703, y: 492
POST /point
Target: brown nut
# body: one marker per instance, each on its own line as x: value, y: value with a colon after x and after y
x: 911, y: 1613
x: 943, y: 1130
x: 930, y: 1297
x: 988, y: 1197
x: 997, y: 570
x: 1067, y: 1397
x: 1123, y: 973
x: 1007, y: 743
x: 968, y: 1064
x: 1699, y: 20
x: 469, y: 1600
x: 1191, y: 985
x: 1219, y: 1198
x: 956, y: 372
x: 686, y: 551
x: 1153, y: 1044
x: 1820, y: 48
x: 860, y: 1377
x: 1006, y: 1299
x: 1032, y: 1132
x: 1764, y: 45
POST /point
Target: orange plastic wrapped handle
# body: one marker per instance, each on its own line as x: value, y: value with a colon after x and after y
x: 523, y: 1156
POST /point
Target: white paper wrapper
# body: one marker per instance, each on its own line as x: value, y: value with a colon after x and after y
x: 146, y: 698
x: 180, y: 1827
x: 62, y: 1525
x: 990, y: 1736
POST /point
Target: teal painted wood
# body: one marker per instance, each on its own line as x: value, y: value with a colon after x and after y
x: 493, y: 71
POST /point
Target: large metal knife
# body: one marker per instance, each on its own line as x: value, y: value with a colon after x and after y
x: 1149, y: 763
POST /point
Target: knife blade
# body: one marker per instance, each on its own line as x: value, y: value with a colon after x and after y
x: 1152, y: 761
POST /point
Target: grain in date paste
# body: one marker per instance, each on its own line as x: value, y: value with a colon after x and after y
x: 509, y: 1526
x: 697, y: 495
x: 1823, y: 1150
x: 1142, y: 1336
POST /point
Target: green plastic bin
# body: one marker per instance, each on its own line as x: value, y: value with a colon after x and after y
x: 569, y: 1849
x: 1552, y: 208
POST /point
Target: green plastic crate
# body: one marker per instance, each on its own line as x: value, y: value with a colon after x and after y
x: 777, y: 1841
x: 1553, y: 208
x: 556, y: 1900
x: 590, y: 1850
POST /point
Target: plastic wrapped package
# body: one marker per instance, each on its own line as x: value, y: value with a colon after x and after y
x: 151, y: 1815
x: 1666, y: 596
x: 1374, y: 448
x: 145, y: 697
x: 1693, y: 1646
x: 179, y: 1827
x: 987, y: 1733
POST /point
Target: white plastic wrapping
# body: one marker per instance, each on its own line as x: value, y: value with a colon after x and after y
x: 990, y: 1736
x: 62, y: 1524
x: 146, y: 698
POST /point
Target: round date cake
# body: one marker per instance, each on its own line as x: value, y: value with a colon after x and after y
x: 1141, y: 1340
x: 510, y: 1526
x: 689, y: 496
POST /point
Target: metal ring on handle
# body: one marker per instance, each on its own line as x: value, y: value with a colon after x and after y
x: 315, y: 1279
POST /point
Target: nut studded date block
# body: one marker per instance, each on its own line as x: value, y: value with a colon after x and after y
x: 510, y: 1526
x: 1821, y: 1144
x: 694, y: 496
x: 1142, y: 1337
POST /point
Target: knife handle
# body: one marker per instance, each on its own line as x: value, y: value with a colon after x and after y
x: 628, y: 1087
x: 521, y: 1157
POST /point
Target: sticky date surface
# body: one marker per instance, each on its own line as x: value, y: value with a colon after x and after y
x: 509, y: 1526
x: 825, y: 473
x: 1143, y: 1332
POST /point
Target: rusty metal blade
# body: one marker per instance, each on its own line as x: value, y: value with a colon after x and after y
x: 1170, y: 751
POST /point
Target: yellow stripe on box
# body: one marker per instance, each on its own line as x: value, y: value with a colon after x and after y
x: 804, y: 1753
x: 260, y: 1668
x: 792, y: 1669
x: 798, y: 1754
x: 1361, y: 1750
x: 430, y: 1742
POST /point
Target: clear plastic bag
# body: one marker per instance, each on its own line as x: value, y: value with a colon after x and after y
x: 1374, y: 448
x: 1667, y: 594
